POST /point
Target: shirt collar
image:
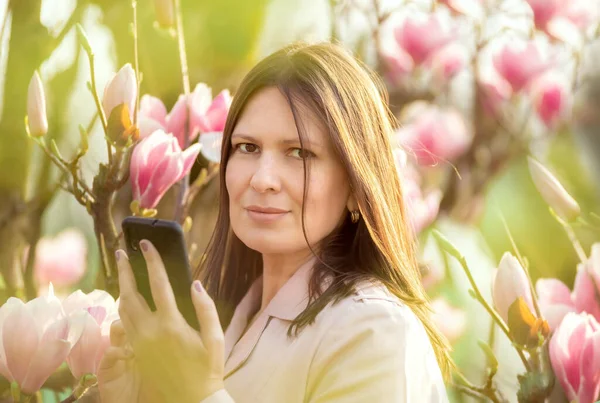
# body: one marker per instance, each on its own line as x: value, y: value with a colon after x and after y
x: 290, y: 300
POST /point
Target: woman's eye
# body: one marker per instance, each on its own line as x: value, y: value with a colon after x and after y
x: 302, y: 153
x: 247, y: 148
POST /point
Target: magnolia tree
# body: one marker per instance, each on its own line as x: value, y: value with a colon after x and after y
x: 447, y: 150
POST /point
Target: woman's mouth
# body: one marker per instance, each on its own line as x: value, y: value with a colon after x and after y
x: 265, y: 214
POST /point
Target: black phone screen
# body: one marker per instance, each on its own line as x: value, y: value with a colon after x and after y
x: 167, y: 237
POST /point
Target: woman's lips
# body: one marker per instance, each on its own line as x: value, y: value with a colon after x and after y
x: 265, y: 214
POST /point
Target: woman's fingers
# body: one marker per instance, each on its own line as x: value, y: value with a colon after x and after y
x: 210, y: 326
x: 118, y: 337
x: 162, y: 293
x: 113, y: 356
x: 132, y: 306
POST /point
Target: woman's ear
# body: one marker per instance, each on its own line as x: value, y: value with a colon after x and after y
x: 352, y: 203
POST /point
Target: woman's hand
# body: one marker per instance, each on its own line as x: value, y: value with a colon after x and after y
x: 181, y: 364
x: 118, y: 376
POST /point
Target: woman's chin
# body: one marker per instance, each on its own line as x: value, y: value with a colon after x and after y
x: 269, y: 244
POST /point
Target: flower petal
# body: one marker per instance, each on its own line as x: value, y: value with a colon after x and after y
x: 211, y: 145
x: 51, y: 353
x: 82, y: 358
x: 21, y: 338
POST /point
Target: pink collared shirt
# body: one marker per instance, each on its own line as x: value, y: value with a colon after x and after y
x: 369, y: 347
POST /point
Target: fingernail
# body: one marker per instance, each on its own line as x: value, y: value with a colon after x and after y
x: 144, y: 246
x: 198, y: 286
x: 117, y: 255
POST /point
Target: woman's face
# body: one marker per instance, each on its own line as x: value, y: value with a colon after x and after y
x: 265, y: 178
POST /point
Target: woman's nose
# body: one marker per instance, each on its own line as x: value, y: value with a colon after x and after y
x: 266, y: 176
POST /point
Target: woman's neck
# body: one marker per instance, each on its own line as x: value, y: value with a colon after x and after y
x: 277, y: 270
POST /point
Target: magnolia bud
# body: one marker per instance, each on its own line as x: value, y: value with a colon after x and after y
x: 121, y: 89
x: 509, y: 284
x: 36, y: 107
x: 553, y: 192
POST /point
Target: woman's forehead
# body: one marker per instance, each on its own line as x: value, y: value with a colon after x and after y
x: 268, y: 115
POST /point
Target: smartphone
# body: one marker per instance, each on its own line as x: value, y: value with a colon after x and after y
x: 167, y: 238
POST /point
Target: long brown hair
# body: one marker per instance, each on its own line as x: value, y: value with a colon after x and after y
x: 351, y: 102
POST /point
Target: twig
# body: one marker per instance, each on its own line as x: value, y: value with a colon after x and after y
x: 199, y: 184
x: 186, y: 90
x: 4, y: 20
x: 73, y: 19
x: 136, y: 60
x: 449, y: 248
x: 99, y: 107
x: 572, y: 237
x: 470, y: 392
x: 84, y: 384
x: 485, y: 392
x: 576, y: 244
x: 333, y: 36
x: 61, y: 164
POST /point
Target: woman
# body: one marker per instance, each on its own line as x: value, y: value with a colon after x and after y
x: 312, y: 248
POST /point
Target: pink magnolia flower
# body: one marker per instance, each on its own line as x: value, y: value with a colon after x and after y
x: 551, y: 98
x: 556, y: 300
x: 120, y: 89
x: 581, y: 13
x: 157, y: 163
x: 422, y: 208
x: 36, y: 107
x: 575, y: 357
x: 61, y: 260
x: 570, y: 19
x: 544, y: 11
x: 153, y: 116
x: 434, y: 134
x: 211, y: 145
x: 97, y: 310
x: 495, y: 92
x: 592, y: 266
x: 465, y: 7
x: 207, y: 115
x: 519, y: 65
x: 510, y: 282
x: 421, y: 39
x: 397, y: 64
x: 36, y: 337
x: 448, y: 62
x: 451, y: 321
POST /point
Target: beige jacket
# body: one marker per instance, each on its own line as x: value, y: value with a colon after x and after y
x: 369, y: 347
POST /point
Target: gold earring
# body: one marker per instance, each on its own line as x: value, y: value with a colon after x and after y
x: 354, y: 216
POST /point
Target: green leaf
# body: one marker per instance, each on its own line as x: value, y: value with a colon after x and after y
x: 447, y: 245
x: 55, y: 149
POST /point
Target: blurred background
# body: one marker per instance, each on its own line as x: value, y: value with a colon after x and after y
x: 467, y: 125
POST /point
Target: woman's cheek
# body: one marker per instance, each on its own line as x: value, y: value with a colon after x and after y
x: 235, y: 177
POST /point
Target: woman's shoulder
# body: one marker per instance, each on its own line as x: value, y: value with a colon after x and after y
x: 373, y: 308
x: 373, y: 335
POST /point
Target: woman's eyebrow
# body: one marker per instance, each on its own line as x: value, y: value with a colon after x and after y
x: 244, y: 136
x: 297, y: 141
x: 291, y: 141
